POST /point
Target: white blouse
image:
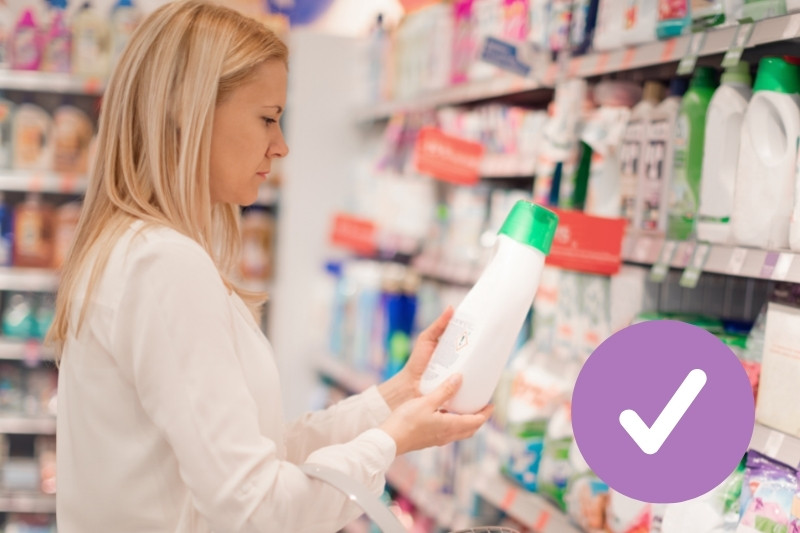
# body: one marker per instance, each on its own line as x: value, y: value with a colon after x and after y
x: 170, y: 416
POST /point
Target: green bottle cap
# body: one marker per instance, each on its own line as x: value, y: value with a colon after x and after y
x: 739, y: 73
x: 531, y: 224
x: 705, y: 77
x: 777, y: 75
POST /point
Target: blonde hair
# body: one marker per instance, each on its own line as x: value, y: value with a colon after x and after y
x: 154, y: 139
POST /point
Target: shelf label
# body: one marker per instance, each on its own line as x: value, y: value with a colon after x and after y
x: 509, y: 498
x: 448, y: 158
x: 542, y: 521
x: 641, y: 251
x: 627, y: 58
x: 792, y: 28
x: 669, y: 49
x: 737, y: 46
x: 769, y: 265
x: 33, y: 353
x: 691, y: 276
x: 687, y: 64
x: 772, y: 446
x: 782, y: 266
x: 506, y: 56
x: 587, y: 243
x: 661, y: 267
x: 354, y: 233
x: 684, y: 253
x: 736, y: 262
x: 602, y: 63
x: 67, y: 183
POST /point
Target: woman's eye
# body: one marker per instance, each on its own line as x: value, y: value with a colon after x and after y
x: 269, y: 121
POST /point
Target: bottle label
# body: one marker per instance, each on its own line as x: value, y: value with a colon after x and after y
x: 455, y: 344
x: 654, y: 161
x: 25, y: 49
x: 672, y: 9
x: 630, y: 161
x: 57, y: 55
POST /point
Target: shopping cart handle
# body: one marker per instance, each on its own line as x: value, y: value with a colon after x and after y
x: 371, y: 504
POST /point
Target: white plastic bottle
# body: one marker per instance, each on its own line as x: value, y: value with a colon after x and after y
x: 610, y: 24
x: 721, y: 153
x: 764, y: 193
x: 91, y: 43
x: 641, y: 20
x: 480, y: 336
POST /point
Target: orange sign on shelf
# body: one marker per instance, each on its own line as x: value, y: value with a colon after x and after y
x: 587, y: 243
x: 354, y: 233
x: 448, y: 158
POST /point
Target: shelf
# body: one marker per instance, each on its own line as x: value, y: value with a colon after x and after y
x: 42, y: 181
x: 531, y: 509
x: 28, y: 279
x: 47, y: 82
x: 402, y: 475
x: 27, y: 426
x: 341, y: 374
x: 776, y: 445
x: 503, y: 84
x: 23, y: 350
x: 778, y: 265
x: 27, y: 503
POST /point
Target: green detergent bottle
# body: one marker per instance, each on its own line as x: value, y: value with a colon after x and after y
x: 688, y: 154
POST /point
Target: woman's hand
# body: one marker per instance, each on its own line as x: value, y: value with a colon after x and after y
x: 404, y: 385
x: 420, y: 423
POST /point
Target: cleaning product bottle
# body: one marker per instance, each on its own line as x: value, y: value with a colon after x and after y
x: 57, y: 47
x: 6, y: 240
x: 25, y: 45
x: 124, y: 19
x: 538, y: 17
x: 723, y: 135
x: 479, y: 338
x: 673, y: 18
x: 762, y: 9
x: 91, y: 43
x: 641, y: 18
x: 5, y: 32
x: 31, y: 135
x: 584, y: 19
x: 6, y: 122
x: 707, y: 13
x: 633, y: 143
x: 33, y: 233
x: 764, y: 192
x: 658, y: 155
x: 558, y: 29
x: 610, y: 23
x: 688, y: 154
x: 72, y: 135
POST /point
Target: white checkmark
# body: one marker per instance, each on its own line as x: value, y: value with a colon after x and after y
x: 650, y: 439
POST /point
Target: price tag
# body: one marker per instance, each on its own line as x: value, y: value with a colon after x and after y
x: 687, y: 64
x: 33, y: 353
x: 669, y: 49
x: 792, y: 28
x: 737, y: 46
x: 684, y: 254
x: 661, y: 267
x: 543, y: 520
x: 692, y: 273
x: 602, y: 63
x: 769, y: 265
x: 627, y: 58
x: 736, y: 262
x: 782, y: 266
x: 36, y: 183
x: 773, y: 445
x: 509, y: 498
x: 641, y: 251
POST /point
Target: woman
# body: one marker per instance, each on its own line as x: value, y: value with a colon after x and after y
x: 169, y: 400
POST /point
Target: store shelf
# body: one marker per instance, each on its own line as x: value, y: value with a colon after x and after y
x: 28, y: 279
x: 41, y: 181
x: 23, y: 350
x: 530, y: 509
x: 402, y: 475
x: 344, y: 376
x: 27, y: 503
x: 776, y: 445
x: 779, y: 265
x: 46, y: 82
x: 27, y: 426
x: 503, y: 84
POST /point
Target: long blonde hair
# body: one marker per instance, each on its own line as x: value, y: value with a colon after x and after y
x: 154, y: 139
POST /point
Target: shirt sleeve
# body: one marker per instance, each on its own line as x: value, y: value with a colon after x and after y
x: 337, y: 424
x: 173, y: 334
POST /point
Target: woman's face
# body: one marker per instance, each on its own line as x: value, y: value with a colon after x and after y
x: 246, y: 135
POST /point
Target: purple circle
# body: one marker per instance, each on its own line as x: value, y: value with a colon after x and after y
x: 640, y: 368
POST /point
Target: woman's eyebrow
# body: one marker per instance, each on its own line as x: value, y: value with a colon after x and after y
x: 279, y: 108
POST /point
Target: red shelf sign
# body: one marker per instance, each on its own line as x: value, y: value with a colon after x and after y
x: 587, y: 243
x: 354, y: 233
x: 448, y: 158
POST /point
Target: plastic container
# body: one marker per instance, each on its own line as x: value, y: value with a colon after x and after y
x: 764, y: 192
x: 31, y: 135
x: 559, y: 23
x: 33, y: 233
x: 673, y: 18
x: 480, y: 336
x: 653, y: 189
x: 124, y: 19
x: 634, y: 142
x: 91, y: 43
x: 6, y: 124
x: 723, y: 135
x: 584, y: 20
x: 57, y: 46
x: 6, y: 238
x: 25, y: 44
x: 688, y: 153
x: 72, y: 135
x: 641, y: 19
x: 610, y: 25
